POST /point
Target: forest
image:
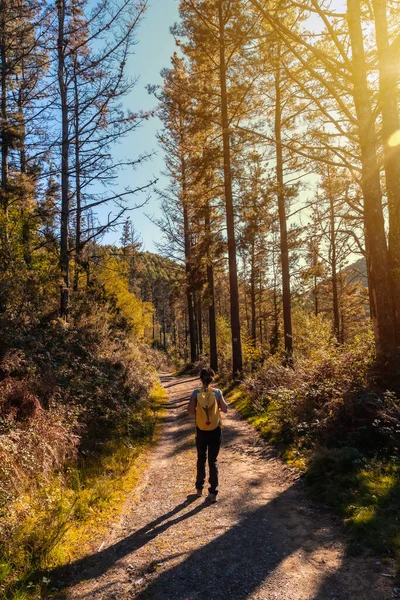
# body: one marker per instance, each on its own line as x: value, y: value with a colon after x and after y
x: 277, y: 264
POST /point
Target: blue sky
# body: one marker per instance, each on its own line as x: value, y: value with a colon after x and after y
x: 152, y: 53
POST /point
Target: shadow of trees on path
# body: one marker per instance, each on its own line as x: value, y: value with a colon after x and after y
x: 235, y: 564
x: 95, y: 565
x: 245, y: 557
x: 170, y: 381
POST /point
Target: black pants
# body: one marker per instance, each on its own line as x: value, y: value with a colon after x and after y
x: 208, y: 441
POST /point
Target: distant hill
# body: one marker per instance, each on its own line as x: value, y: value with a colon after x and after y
x: 357, y: 271
x: 156, y: 267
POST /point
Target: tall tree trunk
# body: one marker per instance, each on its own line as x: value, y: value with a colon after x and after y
x: 237, y: 361
x: 335, y: 297
x: 260, y: 300
x: 164, y: 328
x: 274, y: 340
x: 25, y: 212
x: 286, y: 297
x: 186, y: 356
x: 246, y: 308
x: 275, y: 329
x: 188, y: 266
x: 388, y: 97
x: 4, y: 120
x: 342, y: 283
x: 192, y: 326
x: 377, y: 255
x: 65, y: 208
x: 199, y: 321
x: 78, y: 191
x: 212, y: 325
x: 253, y: 296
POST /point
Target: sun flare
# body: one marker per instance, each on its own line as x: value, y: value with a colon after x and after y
x: 394, y: 139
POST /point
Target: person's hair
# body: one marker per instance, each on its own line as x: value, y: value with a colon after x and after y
x: 207, y: 376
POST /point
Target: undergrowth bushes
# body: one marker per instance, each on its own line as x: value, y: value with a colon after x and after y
x: 324, y: 400
x: 331, y: 417
x: 76, y: 408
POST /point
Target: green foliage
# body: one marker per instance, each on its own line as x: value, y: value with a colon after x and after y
x: 312, y: 336
x: 158, y: 267
x: 127, y: 309
x: 224, y: 344
x: 251, y: 355
x: 329, y: 418
x: 366, y: 492
x: 75, y: 413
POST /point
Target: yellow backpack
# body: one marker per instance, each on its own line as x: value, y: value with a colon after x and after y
x: 207, y: 411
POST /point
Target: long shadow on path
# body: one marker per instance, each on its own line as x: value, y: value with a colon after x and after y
x: 169, y: 382
x: 235, y: 564
x: 246, y: 557
x: 95, y: 565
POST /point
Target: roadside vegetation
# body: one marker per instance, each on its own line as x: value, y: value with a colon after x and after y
x: 334, y: 419
x: 80, y: 401
x: 279, y: 264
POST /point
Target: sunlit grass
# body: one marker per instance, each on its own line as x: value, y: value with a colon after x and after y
x: 260, y: 419
x: 373, y: 512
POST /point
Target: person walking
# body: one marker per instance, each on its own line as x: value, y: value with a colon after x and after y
x: 206, y: 404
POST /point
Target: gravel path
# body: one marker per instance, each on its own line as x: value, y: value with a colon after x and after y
x: 262, y: 541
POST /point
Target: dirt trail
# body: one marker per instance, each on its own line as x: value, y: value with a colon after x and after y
x: 262, y: 541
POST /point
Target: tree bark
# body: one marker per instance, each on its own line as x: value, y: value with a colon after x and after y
x: 212, y: 325
x: 377, y: 254
x: 237, y: 361
x: 253, y: 296
x: 188, y: 267
x: 78, y: 191
x: 25, y: 212
x: 65, y: 207
x: 192, y: 327
x: 388, y: 97
x: 274, y: 340
x: 333, y: 261
x: 342, y: 333
x: 211, y: 319
x: 4, y: 121
x: 199, y: 321
x: 275, y: 329
x: 186, y: 340
x: 286, y: 296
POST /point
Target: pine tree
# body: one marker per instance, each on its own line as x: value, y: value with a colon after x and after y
x: 337, y: 86
x: 175, y: 140
x: 213, y: 35
x: 255, y: 217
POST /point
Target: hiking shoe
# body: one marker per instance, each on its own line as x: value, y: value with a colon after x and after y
x: 199, y: 493
x: 212, y: 498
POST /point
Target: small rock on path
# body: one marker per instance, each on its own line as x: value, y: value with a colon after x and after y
x: 263, y: 540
